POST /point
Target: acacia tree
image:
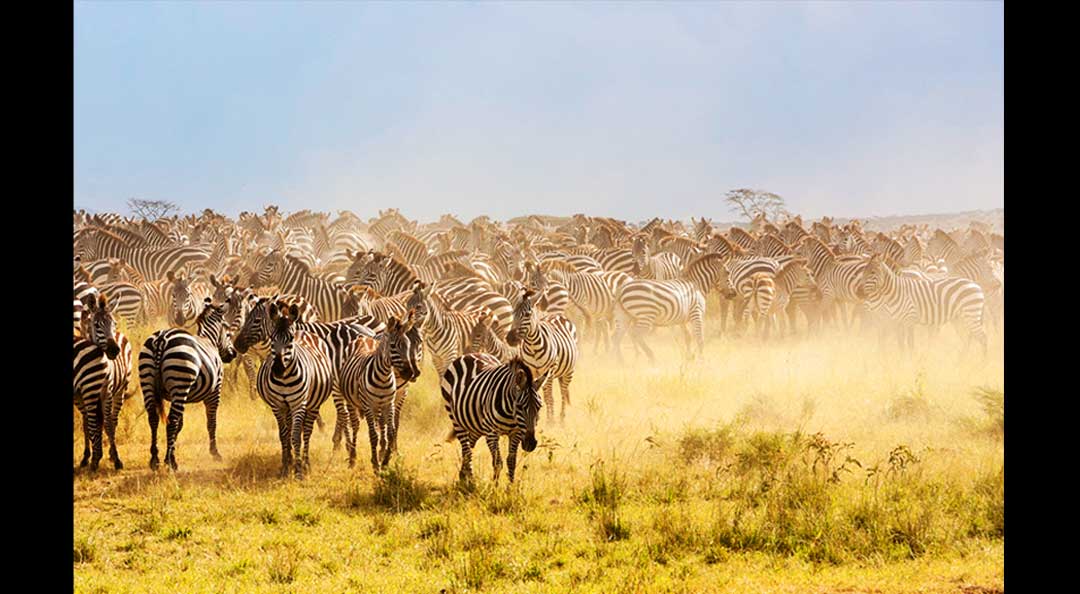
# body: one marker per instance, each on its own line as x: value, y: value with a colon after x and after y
x: 751, y: 203
x: 151, y: 210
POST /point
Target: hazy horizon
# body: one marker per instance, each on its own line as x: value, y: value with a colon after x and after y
x: 628, y: 110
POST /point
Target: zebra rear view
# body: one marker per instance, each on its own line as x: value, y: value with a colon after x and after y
x: 184, y: 368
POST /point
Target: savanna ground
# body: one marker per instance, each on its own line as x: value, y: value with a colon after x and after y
x: 820, y: 464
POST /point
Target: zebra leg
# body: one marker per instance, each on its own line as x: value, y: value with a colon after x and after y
x: 496, y: 460
x: 172, y: 430
x: 390, y: 421
x: 373, y: 438
x: 252, y: 374
x: 97, y: 412
x: 354, y: 426
x: 212, y: 403
x: 283, y: 434
x: 86, y: 439
x: 112, y: 413
x: 639, y: 341
x: 309, y: 427
x: 341, y: 426
x: 154, y: 408
x: 297, y: 435
x: 564, y: 387
x: 724, y: 305
x: 467, y: 441
x: 511, y: 455
x: 549, y: 398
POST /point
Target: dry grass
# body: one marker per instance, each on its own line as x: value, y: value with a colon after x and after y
x: 808, y: 465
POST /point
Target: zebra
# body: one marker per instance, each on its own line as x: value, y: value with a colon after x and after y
x: 82, y: 291
x: 483, y: 339
x: 761, y: 291
x: 293, y: 276
x: 181, y: 368
x: 554, y: 295
x: 445, y: 330
x: 487, y: 399
x: 837, y: 277
x: 101, y: 368
x: 911, y: 301
x: 644, y: 304
x: 184, y: 298
x: 152, y: 264
x: 338, y: 339
x: 294, y: 381
x: 372, y: 381
x: 548, y: 346
x: 593, y: 294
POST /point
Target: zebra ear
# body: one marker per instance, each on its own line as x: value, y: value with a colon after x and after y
x: 171, y: 276
x: 294, y: 312
x: 521, y: 377
x: 214, y: 281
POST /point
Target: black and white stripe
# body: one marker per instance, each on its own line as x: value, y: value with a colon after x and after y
x: 101, y: 366
x: 180, y: 368
x: 486, y: 399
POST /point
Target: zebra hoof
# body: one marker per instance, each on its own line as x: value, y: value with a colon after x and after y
x: 84, y: 462
x: 117, y: 464
x: 154, y: 463
x: 216, y: 456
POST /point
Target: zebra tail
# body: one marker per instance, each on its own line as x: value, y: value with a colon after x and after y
x: 451, y: 436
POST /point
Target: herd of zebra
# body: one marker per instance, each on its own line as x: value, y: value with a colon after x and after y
x: 345, y: 310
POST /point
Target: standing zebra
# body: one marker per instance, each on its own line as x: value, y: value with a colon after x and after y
x: 101, y: 367
x: 372, y: 379
x: 486, y: 399
x: 482, y: 339
x: 645, y: 304
x: 183, y: 369
x: 338, y: 339
x: 294, y: 381
x: 548, y: 346
x: 910, y: 301
x: 761, y: 291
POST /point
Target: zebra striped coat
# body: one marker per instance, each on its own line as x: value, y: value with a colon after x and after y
x: 548, y: 346
x: 645, y: 304
x: 372, y: 379
x: 486, y: 399
x: 338, y: 341
x: 294, y: 381
x: 910, y: 301
x: 101, y: 368
x: 180, y: 368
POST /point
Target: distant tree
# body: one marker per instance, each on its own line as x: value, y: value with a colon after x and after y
x: 151, y: 210
x: 751, y: 203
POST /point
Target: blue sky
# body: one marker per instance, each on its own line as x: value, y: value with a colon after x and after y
x: 624, y: 109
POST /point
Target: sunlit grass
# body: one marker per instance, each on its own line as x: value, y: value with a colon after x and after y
x: 730, y: 473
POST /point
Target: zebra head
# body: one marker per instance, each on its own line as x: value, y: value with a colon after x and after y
x: 99, y: 325
x: 257, y: 325
x: 182, y: 304
x: 357, y: 270
x: 222, y: 288
x: 481, y: 336
x: 524, y: 318
x: 406, y: 347
x: 237, y: 307
x: 282, y: 345
x: 211, y: 323
x: 527, y: 403
x: 419, y: 301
